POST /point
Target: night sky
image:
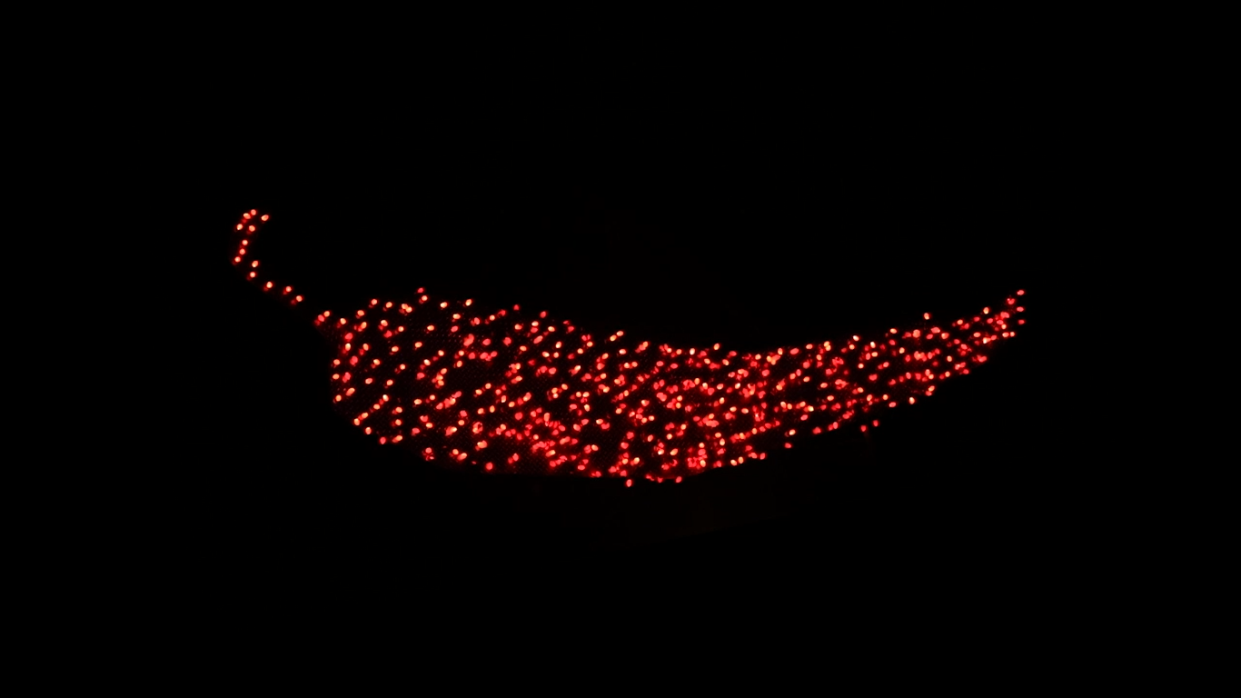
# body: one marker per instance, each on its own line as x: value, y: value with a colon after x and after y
x: 690, y: 213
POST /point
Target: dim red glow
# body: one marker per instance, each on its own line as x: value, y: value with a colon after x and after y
x: 542, y: 396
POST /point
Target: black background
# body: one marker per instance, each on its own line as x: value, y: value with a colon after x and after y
x: 740, y: 207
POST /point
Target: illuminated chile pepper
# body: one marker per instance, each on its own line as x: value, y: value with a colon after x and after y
x: 502, y: 392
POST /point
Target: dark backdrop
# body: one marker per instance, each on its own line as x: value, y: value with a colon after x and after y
x: 736, y: 209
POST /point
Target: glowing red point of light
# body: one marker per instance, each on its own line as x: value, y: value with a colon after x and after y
x: 264, y: 217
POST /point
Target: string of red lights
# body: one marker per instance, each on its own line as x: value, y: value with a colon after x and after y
x: 499, y: 392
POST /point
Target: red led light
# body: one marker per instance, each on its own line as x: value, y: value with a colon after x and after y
x: 679, y: 412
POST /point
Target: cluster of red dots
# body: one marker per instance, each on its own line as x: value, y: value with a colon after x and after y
x: 249, y: 225
x: 499, y: 392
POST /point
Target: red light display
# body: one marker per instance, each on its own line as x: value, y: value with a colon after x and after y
x: 501, y: 392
